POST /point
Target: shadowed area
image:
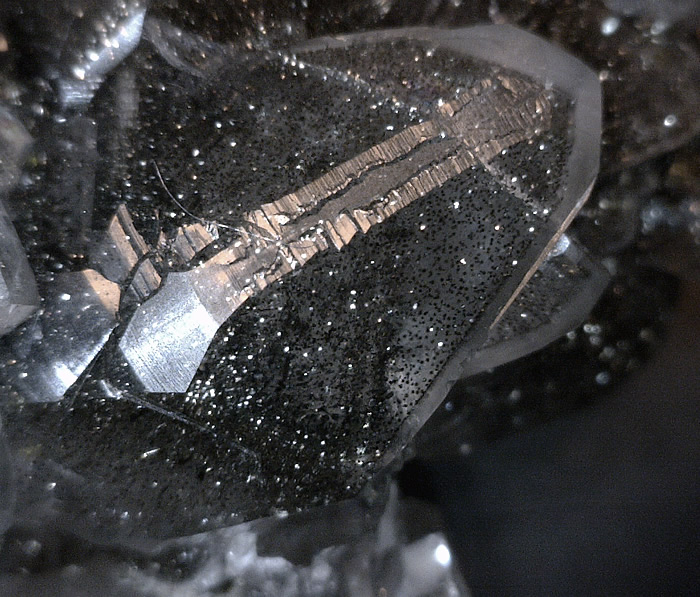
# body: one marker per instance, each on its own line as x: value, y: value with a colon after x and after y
x: 606, y: 501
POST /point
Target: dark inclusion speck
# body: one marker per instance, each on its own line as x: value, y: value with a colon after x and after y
x: 320, y: 378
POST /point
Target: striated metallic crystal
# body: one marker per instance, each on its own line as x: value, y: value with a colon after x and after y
x: 368, y: 253
x: 120, y: 249
x: 81, y: 312
x: 123, y: 255
x: 168, y: 336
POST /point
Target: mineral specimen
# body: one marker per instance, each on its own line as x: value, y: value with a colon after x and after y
x: 307, y: 261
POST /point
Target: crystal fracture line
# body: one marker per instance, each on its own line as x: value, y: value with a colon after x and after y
x: 165, y: 341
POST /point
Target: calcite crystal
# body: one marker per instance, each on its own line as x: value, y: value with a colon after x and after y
x: 18, y: 295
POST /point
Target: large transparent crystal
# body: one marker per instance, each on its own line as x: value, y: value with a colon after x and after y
x: 305, y: 248
x: 18, y: 295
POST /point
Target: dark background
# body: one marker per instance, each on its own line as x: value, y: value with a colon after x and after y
x: 604, y: 501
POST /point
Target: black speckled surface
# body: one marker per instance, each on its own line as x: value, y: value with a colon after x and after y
x: 540, y: 495
x: 314, y: 383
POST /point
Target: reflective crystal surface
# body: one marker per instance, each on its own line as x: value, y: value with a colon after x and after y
x: 282, y: 327
x: 358, y: 547
x: 18, y: 295
x: 77, y: 43
x: 267, y: 259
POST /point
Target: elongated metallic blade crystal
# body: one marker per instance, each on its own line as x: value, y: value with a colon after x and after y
x: 169, y: 334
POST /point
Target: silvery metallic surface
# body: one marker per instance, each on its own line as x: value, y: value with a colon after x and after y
x: 166, y: 340
x: 165, y: 352
x: 124, y: 257
x: 110, y: 462
x: 47, y: 357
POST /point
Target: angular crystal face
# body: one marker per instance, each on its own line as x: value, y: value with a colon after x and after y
x: 167, y: 338
x: 315, y: 244
x: 18, y: 295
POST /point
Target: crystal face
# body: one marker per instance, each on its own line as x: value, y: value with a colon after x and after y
x: 18, y: 295
x: 295, y: 261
